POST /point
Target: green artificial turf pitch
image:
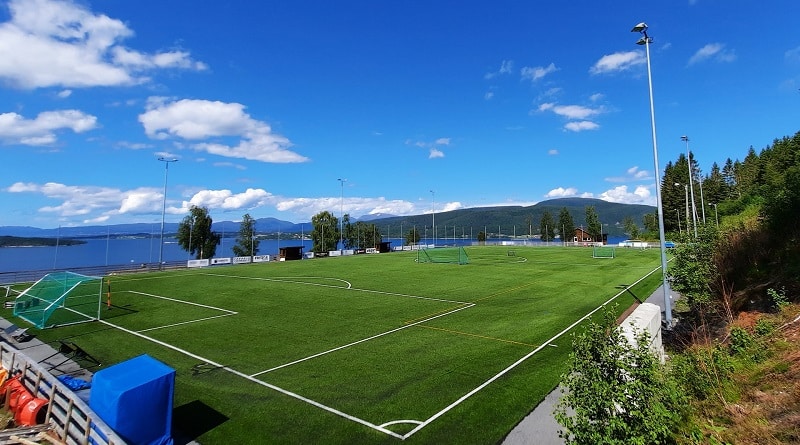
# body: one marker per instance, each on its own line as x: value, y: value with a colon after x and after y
x: 362, y: 349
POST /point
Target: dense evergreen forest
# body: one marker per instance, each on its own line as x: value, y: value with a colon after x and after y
x: 733, y: 373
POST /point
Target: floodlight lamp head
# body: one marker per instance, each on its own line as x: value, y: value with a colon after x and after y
x: 685, y: 138
x: 644, y: 40
x: 641, y: 27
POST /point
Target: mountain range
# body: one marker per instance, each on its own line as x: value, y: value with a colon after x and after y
x: 508, y: 220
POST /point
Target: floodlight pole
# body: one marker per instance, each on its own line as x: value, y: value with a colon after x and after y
x: 646, y: 40
x: 691, y: 183
x: 164, y: 210
x: 341, y: 222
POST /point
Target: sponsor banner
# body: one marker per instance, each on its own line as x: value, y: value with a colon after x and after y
x: 348, y: 252
x: 215, y: 261
x: 197, y: 263
x: 372, y: 250
x: 241, y: 260
x: 335, y: 253
x: 261, y: 259
x: 308, y: 255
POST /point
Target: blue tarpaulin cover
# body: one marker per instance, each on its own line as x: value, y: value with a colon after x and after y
x: 135, y: 399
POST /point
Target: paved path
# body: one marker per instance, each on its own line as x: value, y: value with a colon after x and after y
x: 539, y: 427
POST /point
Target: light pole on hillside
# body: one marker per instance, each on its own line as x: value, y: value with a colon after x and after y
x: 691, y: 183
x: 646, y: 40
x: 164, y: 209
x: 341, y: 221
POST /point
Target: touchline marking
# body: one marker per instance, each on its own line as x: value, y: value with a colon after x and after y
x: 518, y: 362
x: 469, y: 305
x: 262, y: 383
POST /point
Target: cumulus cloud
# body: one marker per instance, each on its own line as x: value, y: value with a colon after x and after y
x: 351, y: 205
x: 506, y: 67
x: 640, y: 195
x: 571, y: 111
x: 552, y: 152
x: 631, y: 174
x: 196, y: 120
x: 620, y: 61
x: 535, y: 73
x: 561, y: 192
x: 489, y: 95
x: 227, y: 200
x: 42, y: 130
x: 581, y: 126
x: 93, y: 202
x: 596, y: 97
x: 434, y: 148
x: 577, y: 113
x: 713, y: 51
x: 58, y: 43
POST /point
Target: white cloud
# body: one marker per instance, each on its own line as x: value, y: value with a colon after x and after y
x: 99, y: 202
x: 561, y: 192
x: 63, y: 94
x: 620, y: 61
x: 442, y: 141
x: 506, y: 67
x: 489, y: 95
x: 435, y: 153
x: 792, y: 55
x: 353, y: 206
x: 195, y: 119
x: 713, y: 51
x: 536, y: 73
x: 578, y: 126
x: 450, y: 206
x: 640, y: 195
x: 50, y: 43
x: 552, y: 152
x: 227, y: 200
x: 229, y: 164
x: 15, y: 129
x: 596, y: 96
x: 571, y: 111
x: 631, y: 174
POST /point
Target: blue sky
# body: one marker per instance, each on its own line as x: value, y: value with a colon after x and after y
x: 420, y: 106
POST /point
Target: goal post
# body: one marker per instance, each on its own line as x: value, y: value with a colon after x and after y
x: 77, y: 296
x: 602, y: 252
x: 453, y: 255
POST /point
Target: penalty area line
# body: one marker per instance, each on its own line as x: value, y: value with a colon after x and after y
x: 262, y: 383
x: 363, y: 340
x: 521, y: 360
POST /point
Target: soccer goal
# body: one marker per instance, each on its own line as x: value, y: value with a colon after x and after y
x: 455, y: 255
x: 78, y: 295
x: 602, y: 252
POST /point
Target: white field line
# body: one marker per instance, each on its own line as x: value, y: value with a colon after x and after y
x: 228, y: 313
x: 285, y: 280
x: 349, y: 286
x: 518, y: 362
x: 467, y: 305
x: 254, y: 380
x: 185, y: 302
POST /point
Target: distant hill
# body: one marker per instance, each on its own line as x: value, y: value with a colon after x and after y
x: 509, y: 220
x: 518, y: 219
